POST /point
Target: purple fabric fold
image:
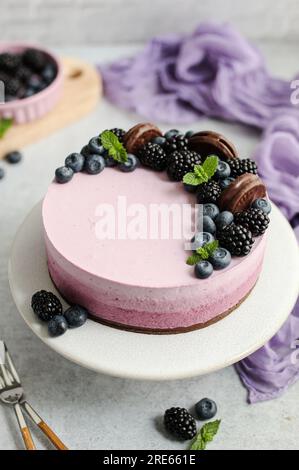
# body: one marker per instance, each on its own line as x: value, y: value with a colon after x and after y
x: 215, y: 72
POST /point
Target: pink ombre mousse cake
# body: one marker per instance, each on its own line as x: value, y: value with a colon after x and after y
x: 143, y: 284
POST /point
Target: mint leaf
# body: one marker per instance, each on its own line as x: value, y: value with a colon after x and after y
x: 192, y: 179
x: 202, y: 253
x: 115, y: 148
x: 5, y: 124
x: 193, y: 259
x: 205, y: 435
x: 210, y: 165
x: 211, y: 247
x: 200, y: 173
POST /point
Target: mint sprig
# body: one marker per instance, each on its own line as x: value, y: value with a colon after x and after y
x: 115, y: 148
x: 5, y: 124
x: 205, y: 435
x: 202, y: 173
x: 203, y: 253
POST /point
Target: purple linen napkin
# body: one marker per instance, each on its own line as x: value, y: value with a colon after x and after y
x: 213, y: 71
x: 217, y: 73
x: 270, y: 370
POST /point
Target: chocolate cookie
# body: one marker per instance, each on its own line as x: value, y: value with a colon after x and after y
x: 208, y: 142
x: 140, y: 135
x: 241, y: 193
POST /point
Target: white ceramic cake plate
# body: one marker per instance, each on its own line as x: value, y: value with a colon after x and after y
x: 154, y: 357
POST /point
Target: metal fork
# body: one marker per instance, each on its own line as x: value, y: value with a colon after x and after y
x: 11, y: 393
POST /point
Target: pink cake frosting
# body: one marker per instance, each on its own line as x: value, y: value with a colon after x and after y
x: 141, y: 284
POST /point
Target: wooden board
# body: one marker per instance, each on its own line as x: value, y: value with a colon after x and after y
x: 82, y: 91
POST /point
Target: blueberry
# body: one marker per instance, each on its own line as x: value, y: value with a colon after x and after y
x: 221, y: 258
x: 211, y: 210
x: 2, y: 173
x: 190, y: 188
x: 206, y: 409
x: 75, y: 161
x: 159, y: 140
x: 203, y: 269
x: 110, y: 162
x: 200, y: 239
x: 75, y: 316
x: 13, y: 157
x: 223, y: 219
x: 49, y: 73
x: 94, y: 164
x: 29, y: 92
x: 208, y: 225
x: 130, y: 165
x: 95, y: 146
x: 57, y: 326
x: 226, y: 182
x: 171, y: 133
x: 35, y: 83
x: 223, y: 170
x: 64, y: 174
x: 85, y: 151
x: 262, y: 204
x: 189, y: 134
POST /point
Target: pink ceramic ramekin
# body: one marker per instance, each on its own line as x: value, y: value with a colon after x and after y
x: 36, y: 106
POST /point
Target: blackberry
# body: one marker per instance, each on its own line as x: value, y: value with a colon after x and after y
x: 12, y: 87
x: 236, y: 239
x: 180, y: 423
x: 9, y: 62
x: 208, y: 192
x: 46, y: 305
x: 23, y: 73
x: 176, y: 142
x: 254, y: 220
x: 119, y: 133
x: 239, y: 167
x: 181, y: 162
x: 153, y: 156
x: 34, y: 59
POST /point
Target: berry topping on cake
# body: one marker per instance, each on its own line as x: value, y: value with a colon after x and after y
x: 208, y: 192
x: 254, y: 220
x: 46, y: 305
x: 226, y: 182
x: 200, y: 239
x: 220, y: 258
x: 211, y: 210
x: 172, y: 132
x: 203, y: 269
x: 9, y: 62
x: 238, y: 167
x: 153, y: 156
x: 180, y: 423
x: 223, y: 170
x: 75, y: 161
x: 64, y: 174
x: 208, y: 224
x: 94, y: 164
x: 189, y: 134
x: 120, y: 133
x: 130, y: 165
x: 75, y: 316
x: 176, y: 142
x: 205, y: 409
x: 262, y: 204
x: 95, y: 146
x: 223, y: 219
x: 182, y: 162
x: 236, y: 239
x: 57, y: 326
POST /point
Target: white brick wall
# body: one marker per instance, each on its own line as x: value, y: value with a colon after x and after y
x: 90, y: 22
